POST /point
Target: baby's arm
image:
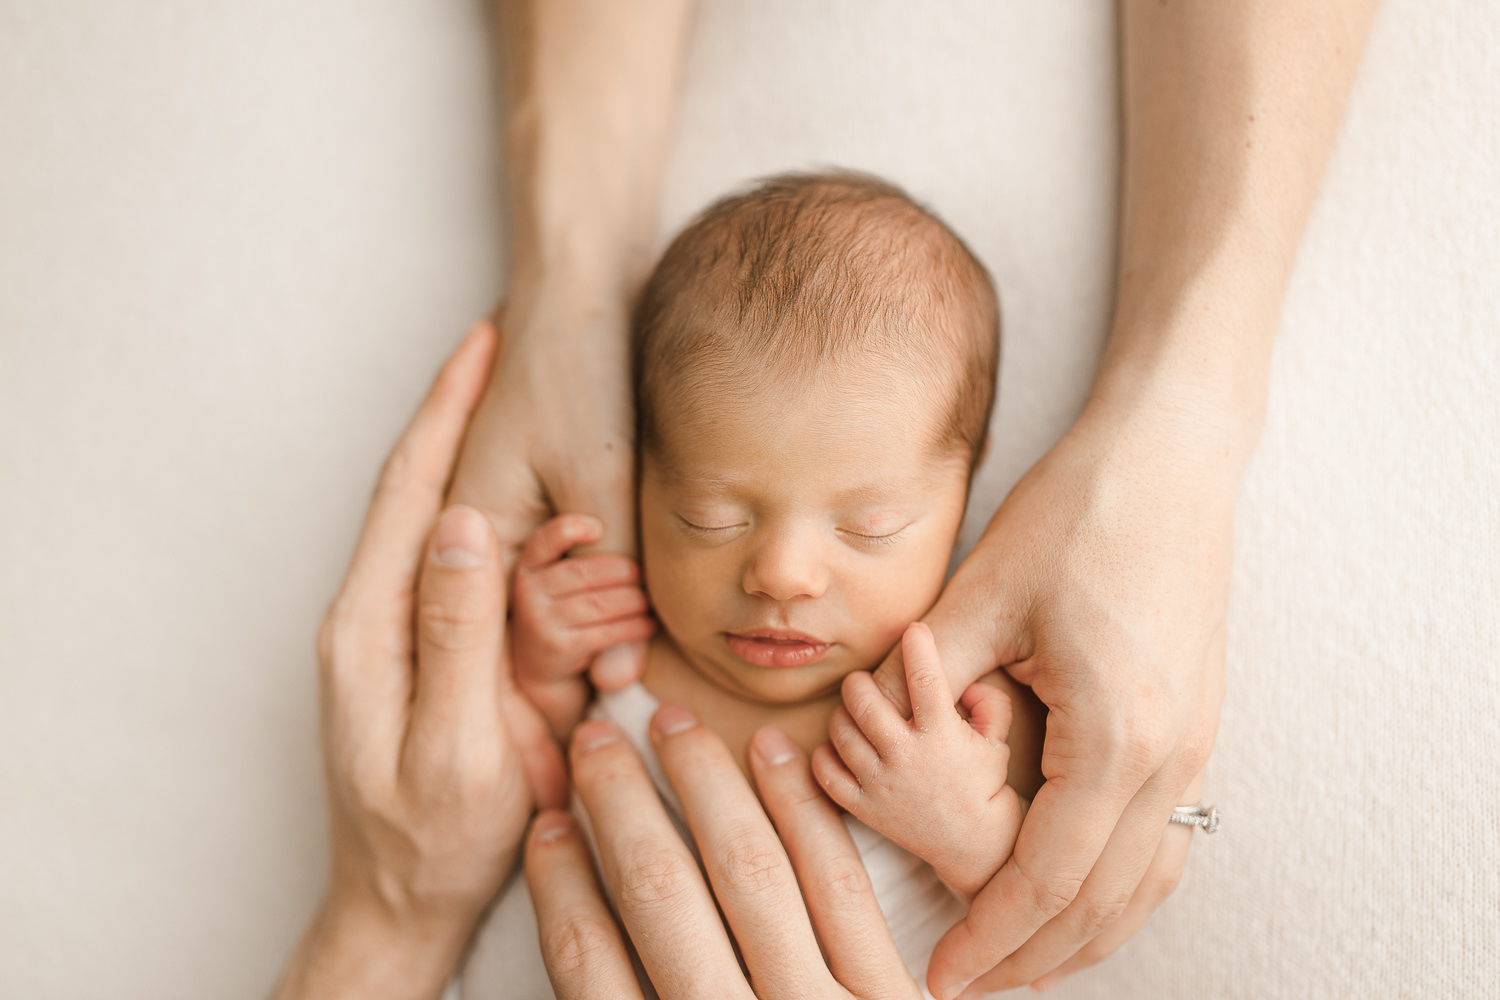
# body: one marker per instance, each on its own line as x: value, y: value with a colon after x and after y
x: 564, y: 611
x: 935, y: 784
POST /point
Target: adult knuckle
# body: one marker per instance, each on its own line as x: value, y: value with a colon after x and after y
x: 328, y: 638
x: 845, y: 881
x: 1053, y: 891
x: 1195, y: 749
x: 337, y: 635
x: 1098, y: 913
x: 577, y: 943
x: 397, y: 473
x: 1137, y: 743
x: 750, y: 864
x: 446, y: 627
x: 653, y: 880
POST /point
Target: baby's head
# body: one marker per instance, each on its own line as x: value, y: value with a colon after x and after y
x: 815, y: 366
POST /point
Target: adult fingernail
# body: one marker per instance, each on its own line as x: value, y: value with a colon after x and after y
x: 773, y: 747
x: 551, y: 826
x: 619, y: 666
x: 594, y: 734
x: 673, y: 719
x: 460, y: 540
x: 956, y: 990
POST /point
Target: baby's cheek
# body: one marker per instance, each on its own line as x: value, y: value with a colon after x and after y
x: 683, y: 591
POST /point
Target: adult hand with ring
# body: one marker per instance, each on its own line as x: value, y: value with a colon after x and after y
x: 782, y: 890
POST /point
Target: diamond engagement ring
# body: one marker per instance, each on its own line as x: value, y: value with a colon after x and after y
x: 1208, y: 818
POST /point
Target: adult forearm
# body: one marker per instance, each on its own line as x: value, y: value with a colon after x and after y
x: 590, y: 95
x: 348, y: 952
x: 1230, y: 113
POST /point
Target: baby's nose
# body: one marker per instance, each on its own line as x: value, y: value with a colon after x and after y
x: 785, y: 569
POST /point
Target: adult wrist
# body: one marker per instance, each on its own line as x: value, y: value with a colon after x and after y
x: 1189, y: 375
x: 360, y: 949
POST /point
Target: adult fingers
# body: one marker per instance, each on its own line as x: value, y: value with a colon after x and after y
x: 1064, y: 833
x: 751, y: 875
x: 662, y: 900
x: 411, y: 486
x: 835, y: 885
x: 581, y: 944
x: 366, y: 687
x: 1103, y: 897
x: 460, y: 606
x: 1161, y: 879
x: 553, y: 539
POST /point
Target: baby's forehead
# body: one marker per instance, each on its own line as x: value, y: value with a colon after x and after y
x: 848, y: 451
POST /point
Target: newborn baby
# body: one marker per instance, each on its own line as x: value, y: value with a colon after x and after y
x: 815, y: 364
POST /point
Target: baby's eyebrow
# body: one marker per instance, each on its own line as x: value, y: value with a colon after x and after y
x: 879, y: 491
x: 707, y: 481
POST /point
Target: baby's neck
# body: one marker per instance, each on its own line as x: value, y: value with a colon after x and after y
x: 670, y: 679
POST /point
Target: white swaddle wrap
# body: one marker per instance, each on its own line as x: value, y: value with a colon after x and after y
x: 506, y: 962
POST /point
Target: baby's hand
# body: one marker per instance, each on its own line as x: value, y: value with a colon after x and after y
x: 564, y: 611
x: 934, y: 784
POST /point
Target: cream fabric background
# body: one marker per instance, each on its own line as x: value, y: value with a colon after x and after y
x: 236, y: 239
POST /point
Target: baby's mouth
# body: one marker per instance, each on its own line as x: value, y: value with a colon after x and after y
x: 776, y: 648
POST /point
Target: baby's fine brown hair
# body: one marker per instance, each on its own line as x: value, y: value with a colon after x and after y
x: 805, y: 270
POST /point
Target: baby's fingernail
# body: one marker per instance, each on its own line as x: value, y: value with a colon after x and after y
x: 773, y: 746
x: 459, y: 541
x: 551, y: 826
x: 589, y: 525
x: 619, y: 666
x: 594, y: 734
x: 673, y: 719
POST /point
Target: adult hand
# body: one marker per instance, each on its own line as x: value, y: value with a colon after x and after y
x: 1101, y: 582
x: 669, y: 913
x: 427, y: 790
x: 554, y: 433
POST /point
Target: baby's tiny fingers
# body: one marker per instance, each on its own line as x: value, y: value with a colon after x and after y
x: 857, y: 753
x: 926, y: 684
x: 596, y: 638
x: 553, y: 539
x: 834, y: 777
x: 873, y: 713
x: 989, y: 710
x: 595, y: 607
x: 569, y: 576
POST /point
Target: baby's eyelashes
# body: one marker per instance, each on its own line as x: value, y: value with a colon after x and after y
x: 873, y: 540
x: 709, y: 532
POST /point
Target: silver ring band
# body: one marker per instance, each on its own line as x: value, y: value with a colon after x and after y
x: 1207, y: 818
